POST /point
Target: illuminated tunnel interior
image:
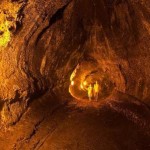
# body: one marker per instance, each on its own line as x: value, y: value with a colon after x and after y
x: 86, y: 74
x: 74, y: 75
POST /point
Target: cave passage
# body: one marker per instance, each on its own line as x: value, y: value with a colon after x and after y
x: 86, y: 74
x: 74, y: 75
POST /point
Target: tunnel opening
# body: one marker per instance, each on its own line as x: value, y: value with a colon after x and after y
x: 88, y: 74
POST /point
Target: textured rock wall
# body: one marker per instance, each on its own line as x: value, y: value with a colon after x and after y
x: 53, y: 37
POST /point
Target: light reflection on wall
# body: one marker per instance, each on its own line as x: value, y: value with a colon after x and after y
x: 5, y: 34
x: 9, y: 12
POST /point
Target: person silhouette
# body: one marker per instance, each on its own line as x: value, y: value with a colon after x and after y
x: 90, y: 92
x: 96, y: 91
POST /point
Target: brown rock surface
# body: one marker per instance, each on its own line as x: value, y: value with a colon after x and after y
x: 41, y: 44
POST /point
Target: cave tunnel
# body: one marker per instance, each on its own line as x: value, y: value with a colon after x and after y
x: 74, y: 75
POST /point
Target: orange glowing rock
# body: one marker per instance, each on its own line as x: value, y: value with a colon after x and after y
x: 8, y: 17
x: 81, y: 86
x: 85, y: 83
x: 72, y: 83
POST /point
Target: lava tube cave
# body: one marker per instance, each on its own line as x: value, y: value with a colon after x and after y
x: 74, y: 75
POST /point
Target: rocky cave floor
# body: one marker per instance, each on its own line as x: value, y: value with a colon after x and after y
x: 119, y: 123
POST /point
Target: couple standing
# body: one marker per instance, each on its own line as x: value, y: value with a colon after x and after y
x: 93, y: 91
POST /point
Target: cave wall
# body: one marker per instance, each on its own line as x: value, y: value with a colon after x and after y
x: 53, y: 37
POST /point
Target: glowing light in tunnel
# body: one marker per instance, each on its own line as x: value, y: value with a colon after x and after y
x: 84, y: 83
x: 73, y: 75
x: 81, y: 86
x: 72, y: 83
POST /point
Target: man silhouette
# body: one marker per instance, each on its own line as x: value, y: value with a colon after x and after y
x: 96, y: 90
x: 90, y: 92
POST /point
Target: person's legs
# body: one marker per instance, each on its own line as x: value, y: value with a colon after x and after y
x: 96, y: 96
x: 89, y: 98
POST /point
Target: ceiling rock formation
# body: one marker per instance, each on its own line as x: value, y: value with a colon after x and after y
x: 53, y: 37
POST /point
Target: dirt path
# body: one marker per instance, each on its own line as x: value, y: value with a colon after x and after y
x: 48, y: 125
